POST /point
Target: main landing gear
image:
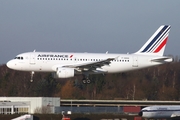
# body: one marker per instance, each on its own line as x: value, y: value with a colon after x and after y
x: 32, y: 73
x: 86, y: 79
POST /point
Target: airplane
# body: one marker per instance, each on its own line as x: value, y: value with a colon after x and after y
x: 161, y: 112
x: 67, y: 65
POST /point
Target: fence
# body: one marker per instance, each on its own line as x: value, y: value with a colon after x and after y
x: 86, y: 110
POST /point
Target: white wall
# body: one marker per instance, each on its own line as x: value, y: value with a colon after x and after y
x: 34, y: 101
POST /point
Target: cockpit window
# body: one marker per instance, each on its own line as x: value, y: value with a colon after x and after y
x: 19, y: 58
x: 144, y: 110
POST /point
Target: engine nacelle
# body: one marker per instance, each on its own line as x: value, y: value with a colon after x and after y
x: 64, y: 73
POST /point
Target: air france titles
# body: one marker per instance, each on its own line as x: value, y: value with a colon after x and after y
x: 52, y: 56
x: 160, y: 108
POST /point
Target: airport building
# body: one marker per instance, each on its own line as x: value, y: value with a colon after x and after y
x: 16, y: 105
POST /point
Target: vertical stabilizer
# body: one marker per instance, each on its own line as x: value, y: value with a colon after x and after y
x: 157, y: 42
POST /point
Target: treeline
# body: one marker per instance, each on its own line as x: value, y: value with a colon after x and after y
x: 154, y: 83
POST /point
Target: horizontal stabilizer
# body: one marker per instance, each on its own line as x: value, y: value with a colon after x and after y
x: 162, y: 59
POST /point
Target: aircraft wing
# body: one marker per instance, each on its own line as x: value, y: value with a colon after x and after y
x: 91, y: 66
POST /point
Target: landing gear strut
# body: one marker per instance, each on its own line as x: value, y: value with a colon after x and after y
x: 86, y: 79
x: 32, y: 73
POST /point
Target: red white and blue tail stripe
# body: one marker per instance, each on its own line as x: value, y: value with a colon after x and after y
x: 157, y: 42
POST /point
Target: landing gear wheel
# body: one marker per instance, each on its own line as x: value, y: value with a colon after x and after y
x: 86, y: 81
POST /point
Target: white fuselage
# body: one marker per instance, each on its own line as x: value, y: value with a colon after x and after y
x: 49, y: 61
x: 161, y: 112
x: 66, y: 65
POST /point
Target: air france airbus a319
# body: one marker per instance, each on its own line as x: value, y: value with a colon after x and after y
x: 66, y: 65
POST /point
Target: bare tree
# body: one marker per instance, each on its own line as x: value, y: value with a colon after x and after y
x: 43, y: 110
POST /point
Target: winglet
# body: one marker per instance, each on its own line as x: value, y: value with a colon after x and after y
x: 156, y: 43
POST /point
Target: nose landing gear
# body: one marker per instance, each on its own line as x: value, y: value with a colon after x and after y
x: 32, y: 73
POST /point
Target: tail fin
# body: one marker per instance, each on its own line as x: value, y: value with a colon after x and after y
x: 157, y: 42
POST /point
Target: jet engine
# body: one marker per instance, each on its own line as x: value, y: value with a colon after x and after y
x: 64, y: 73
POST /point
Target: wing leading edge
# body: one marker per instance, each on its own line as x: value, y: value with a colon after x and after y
x: 91, y: 66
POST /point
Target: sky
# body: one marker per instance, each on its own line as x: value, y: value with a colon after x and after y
x: 116, y: 26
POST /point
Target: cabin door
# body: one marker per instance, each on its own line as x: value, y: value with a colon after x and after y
x: 135, y: 61
x: 32, y: 59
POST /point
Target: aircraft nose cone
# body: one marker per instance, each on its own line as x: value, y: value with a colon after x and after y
x: 140, y: 113
x: 10, y: 64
